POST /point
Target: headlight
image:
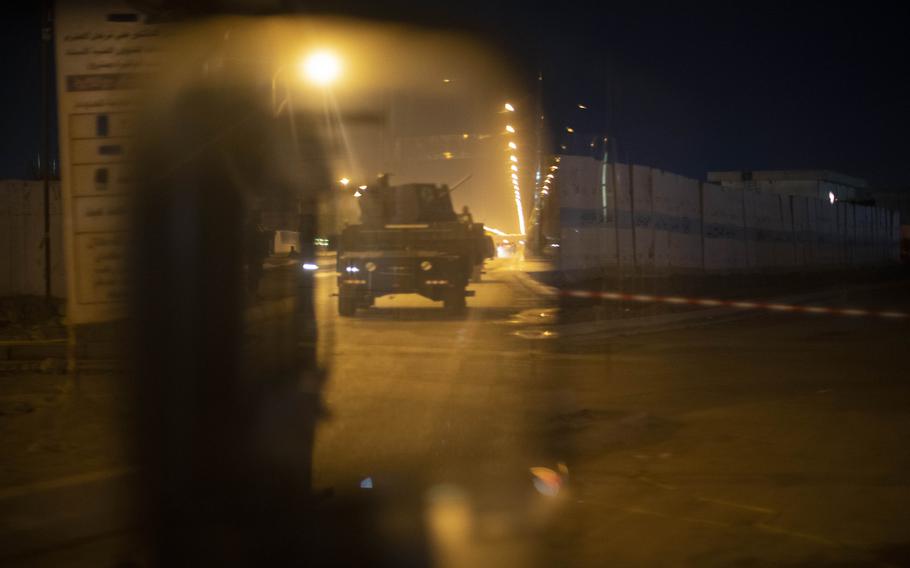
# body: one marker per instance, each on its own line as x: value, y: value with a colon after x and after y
x: 426, y: 265
x: 370, y: 267
x: 352, y: 269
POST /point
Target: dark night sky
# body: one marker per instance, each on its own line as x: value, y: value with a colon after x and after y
x: 767, y: 86
x: 21, y: 139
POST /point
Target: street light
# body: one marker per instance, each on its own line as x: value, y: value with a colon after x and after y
x: 509, y: 107
x: 321, y: 68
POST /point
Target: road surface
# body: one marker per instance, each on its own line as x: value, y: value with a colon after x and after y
x: 776, y: 440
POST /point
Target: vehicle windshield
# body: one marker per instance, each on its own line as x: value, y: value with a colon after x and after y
x: 454, y: 285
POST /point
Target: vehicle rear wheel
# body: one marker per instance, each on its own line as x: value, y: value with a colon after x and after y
x: 454, y: 301
x: 347, y: 305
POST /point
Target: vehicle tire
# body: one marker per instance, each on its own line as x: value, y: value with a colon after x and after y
x: 454, y: 301
x: 347, y: 305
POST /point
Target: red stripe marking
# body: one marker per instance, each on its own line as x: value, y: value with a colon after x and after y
x: 740, y: 304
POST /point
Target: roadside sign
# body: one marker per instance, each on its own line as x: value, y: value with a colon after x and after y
x: 103, y: 51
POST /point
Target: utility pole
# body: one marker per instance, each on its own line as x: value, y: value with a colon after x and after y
x: 536, y: 238
x: 45, y: 127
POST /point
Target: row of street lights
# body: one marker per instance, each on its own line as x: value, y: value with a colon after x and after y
x: 512, y: 148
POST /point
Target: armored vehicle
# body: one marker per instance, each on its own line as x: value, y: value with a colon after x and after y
x: 409, y: 241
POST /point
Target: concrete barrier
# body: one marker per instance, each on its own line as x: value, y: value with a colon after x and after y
x: 22, y: 245
x: 622, y: 218
x: 643, y: 218
x: 724, y: 235
x: 663, y: 223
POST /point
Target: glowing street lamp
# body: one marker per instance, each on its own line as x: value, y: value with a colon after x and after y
x: 509, y: 107
x: 510, y: 129
x: 321, y: 68
x: 344, y: 181
x: 513, y: 145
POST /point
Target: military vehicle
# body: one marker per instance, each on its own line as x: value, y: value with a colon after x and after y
x: 409, y: 241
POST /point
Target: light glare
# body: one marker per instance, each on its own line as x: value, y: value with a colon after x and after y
x: 322, y: 68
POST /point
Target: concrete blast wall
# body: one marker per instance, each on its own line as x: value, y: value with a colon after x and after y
x: 663, y: 223
x: 22, y: 239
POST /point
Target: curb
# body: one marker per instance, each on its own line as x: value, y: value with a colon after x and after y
x: 695, y: 317
x: 535, y: 286
x: 666, y: 322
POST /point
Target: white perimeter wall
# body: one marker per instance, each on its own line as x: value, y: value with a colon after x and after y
x: 22, y: 238
x: 657, y: 221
